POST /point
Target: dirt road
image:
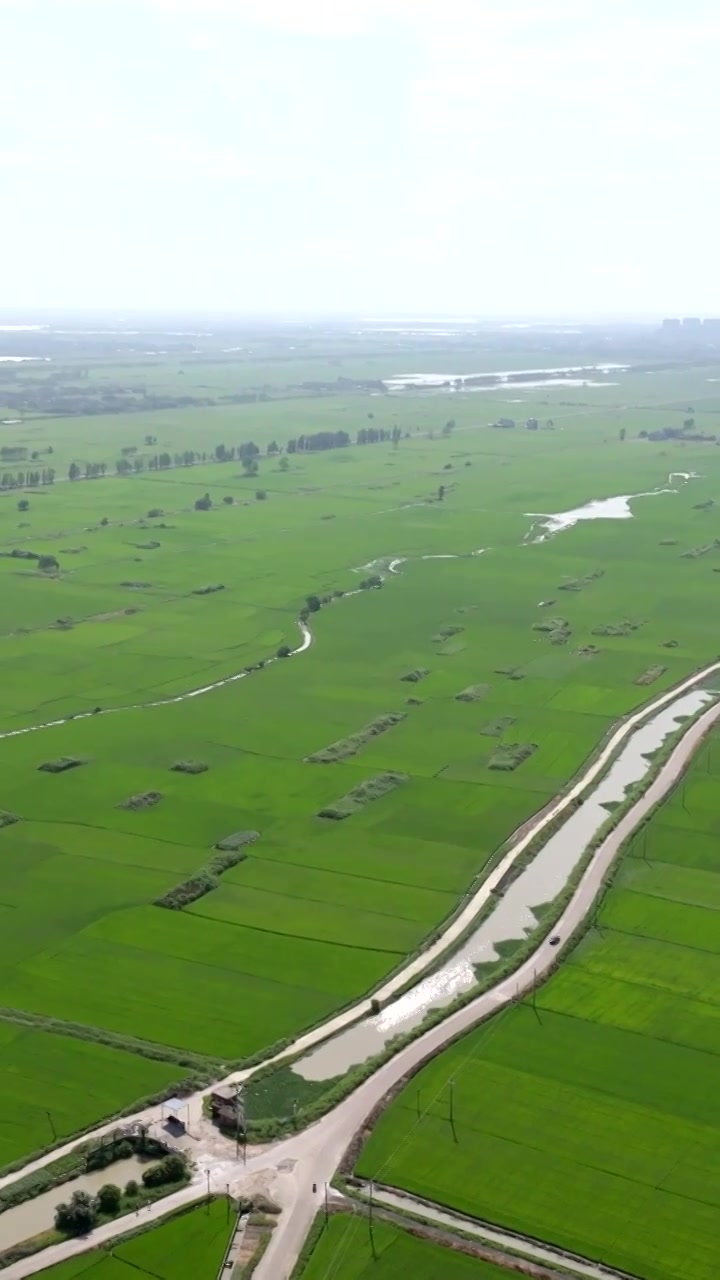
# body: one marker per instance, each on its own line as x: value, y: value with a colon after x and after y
x: 291, y: 1167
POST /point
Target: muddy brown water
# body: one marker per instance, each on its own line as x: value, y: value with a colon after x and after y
x: 37, y: 1215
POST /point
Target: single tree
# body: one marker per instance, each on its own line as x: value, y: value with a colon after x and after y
x: 132, y: 1189
x: 23, y: 505
x: 441, y: 493
x: 78, y: 1216
x: 261, y: 494
x: 283, y: 464
x: 204, y: 503
x: 73, y: 471
x: 109, y: 1198
x: 313, y: 603
x: 172, y: 1169
x: 284, y: 651
x: 623, y: 433
x: 175, y: 1166
x: 228, y: 500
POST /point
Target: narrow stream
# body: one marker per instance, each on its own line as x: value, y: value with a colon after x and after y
x: 605, y: 508
x: 513, y: 917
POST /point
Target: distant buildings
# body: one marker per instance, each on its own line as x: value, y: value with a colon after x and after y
x: 691, y: 326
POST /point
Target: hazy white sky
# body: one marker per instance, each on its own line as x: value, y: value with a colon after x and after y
x: 427, y: 156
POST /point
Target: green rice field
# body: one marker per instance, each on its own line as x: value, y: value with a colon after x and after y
x: 190, y: 1246
x: 592, y: 1118
x: 344, y: 1252
x: 320, y: 911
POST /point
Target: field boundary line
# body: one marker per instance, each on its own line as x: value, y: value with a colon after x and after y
x: 432, y: 1212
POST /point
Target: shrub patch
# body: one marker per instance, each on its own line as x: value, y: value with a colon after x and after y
x: 510, y: 755
x: 473, y: 693
x: 189, y: 766
x: 651, y: 675
x: 61, y: 765
x: 496, y: 728
x: 346, y: 747
x: 145, y: 800
x: 362, y: 794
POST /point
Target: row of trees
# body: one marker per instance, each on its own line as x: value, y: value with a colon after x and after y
x: 132, y: 463
x: 378, y: 435
x: 18, y: 453
x: 318, y: 441
x: 321, y: 440
x: 27, y: 479
x: 91, y: 470
x: 241, y: 452
x: 246, y: 453
x: 205, y: 503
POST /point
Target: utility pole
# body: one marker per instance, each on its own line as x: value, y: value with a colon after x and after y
x: 326, y: 1205
x: 418, y: 1102
x: 240, y: 1111
x: 534, y: 995
x: 227, y: 1202
x: 452, y: 1102
x: 52, y: 1126
x: 207, y: 1174
x: 370, y: 1223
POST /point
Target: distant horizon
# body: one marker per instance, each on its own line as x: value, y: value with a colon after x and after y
x: 18, y: 319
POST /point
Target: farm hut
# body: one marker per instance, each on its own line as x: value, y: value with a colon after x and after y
x: 226, y: 1104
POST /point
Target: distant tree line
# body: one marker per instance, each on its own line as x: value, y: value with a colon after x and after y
x: 319, y: 441
x: 247, y: 453
x: 90, y: 470
x: 378, y: 435
x: 27, y: 479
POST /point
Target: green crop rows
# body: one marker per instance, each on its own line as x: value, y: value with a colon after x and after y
x: 320, y: 911
x: 344, y: 1252
x: 592, y: 1119
x: 190, y: 1246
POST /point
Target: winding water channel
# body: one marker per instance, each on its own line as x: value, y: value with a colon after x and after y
x: 615, y: 508
x: 513, y: 918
